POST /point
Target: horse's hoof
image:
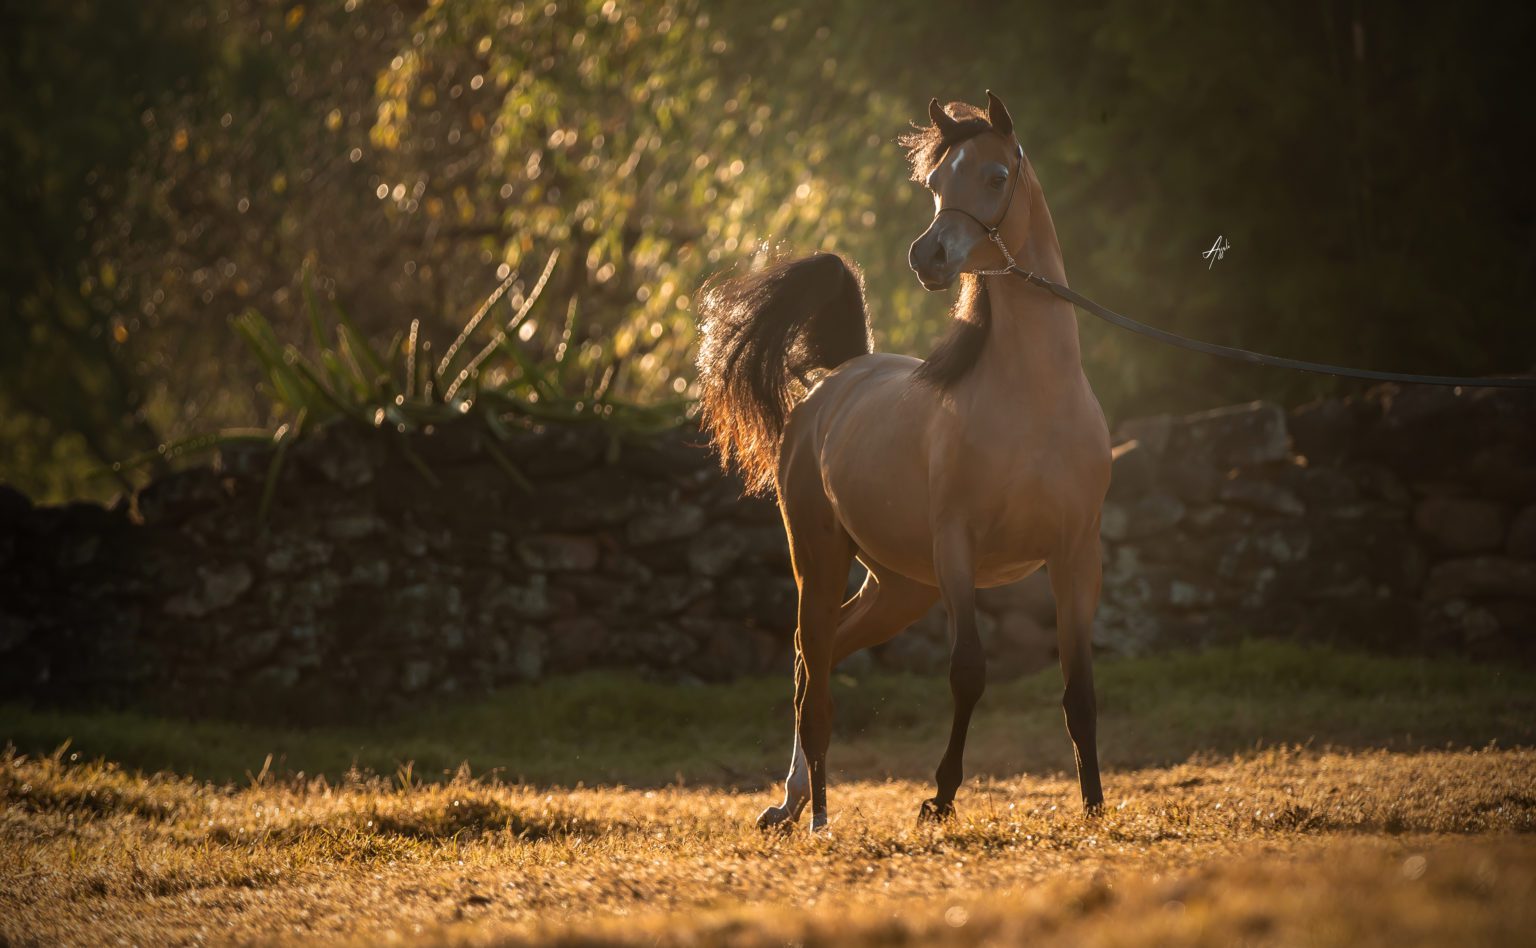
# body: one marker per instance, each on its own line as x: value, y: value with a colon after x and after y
x: 821, y: 826
x: 932, y: 811
x: 775, y: 818
x: 1093, y: 809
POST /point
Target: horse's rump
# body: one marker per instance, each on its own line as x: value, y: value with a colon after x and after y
x: 761, y: 334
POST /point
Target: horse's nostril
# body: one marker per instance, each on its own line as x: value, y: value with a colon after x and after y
x: 938, y: 252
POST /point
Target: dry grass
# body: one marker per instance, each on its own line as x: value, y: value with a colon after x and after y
x: 1366, y: 820
x: 1280, y: 846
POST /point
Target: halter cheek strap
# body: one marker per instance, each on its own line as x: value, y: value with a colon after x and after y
x: 991, y: 229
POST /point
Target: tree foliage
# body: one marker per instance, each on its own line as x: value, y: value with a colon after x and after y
x: 172, y: 166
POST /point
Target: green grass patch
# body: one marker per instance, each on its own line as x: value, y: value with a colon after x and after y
x: 616, y: 728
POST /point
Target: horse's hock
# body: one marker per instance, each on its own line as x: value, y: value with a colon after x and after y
x: 391, y: 570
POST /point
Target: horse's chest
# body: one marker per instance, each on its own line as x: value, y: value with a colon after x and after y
x: 993, y: 473
x: 1020, y: 497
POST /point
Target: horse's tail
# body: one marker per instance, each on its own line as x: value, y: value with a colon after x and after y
x: 760, y: 334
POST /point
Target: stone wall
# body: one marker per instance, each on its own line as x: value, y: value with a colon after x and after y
x: 391, y: 569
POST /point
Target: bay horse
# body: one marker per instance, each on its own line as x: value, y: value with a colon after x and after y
x: 972, y: 468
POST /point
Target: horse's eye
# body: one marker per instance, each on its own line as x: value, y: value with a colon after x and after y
x: 998, y: 181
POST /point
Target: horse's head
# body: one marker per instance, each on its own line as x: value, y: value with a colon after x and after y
x: 973, y: 164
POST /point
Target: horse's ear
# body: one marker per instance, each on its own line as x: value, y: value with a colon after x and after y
x: 997, y: 114
x: 941, y: 120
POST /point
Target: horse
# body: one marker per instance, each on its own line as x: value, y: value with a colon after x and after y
x: 969, y: 469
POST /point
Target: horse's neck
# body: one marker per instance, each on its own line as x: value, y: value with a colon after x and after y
x: 1033, y: 348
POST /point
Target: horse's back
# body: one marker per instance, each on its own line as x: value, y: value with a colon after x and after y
x: 854, y: 402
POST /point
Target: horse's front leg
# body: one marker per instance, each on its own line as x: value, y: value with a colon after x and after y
x: 953, y: 562
x: 1075, y: 579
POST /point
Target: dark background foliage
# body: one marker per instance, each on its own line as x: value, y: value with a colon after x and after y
x: 169, y: 166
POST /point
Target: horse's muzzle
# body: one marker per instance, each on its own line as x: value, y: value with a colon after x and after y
x: 933, y: 270
x: 933, y: 258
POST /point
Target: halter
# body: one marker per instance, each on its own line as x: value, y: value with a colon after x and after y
x: 991, y: 229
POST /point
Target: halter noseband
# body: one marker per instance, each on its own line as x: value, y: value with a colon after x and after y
x: 991, y: 229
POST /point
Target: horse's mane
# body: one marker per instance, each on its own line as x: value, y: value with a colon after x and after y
x: 970, y: 323
x: 971, y: 319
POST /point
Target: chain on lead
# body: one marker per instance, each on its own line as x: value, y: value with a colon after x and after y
x: 1012, y: 267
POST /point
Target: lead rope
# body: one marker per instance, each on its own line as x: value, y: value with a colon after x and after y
x: 1195, y: 345
x: 1232, y: 352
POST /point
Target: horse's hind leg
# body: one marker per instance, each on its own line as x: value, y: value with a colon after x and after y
x: 1075, y: 581
x: 821, y: 579
x: 967, y: 664
x: 797, y: 785
x: 884, y: 605
x: 820, y: 553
